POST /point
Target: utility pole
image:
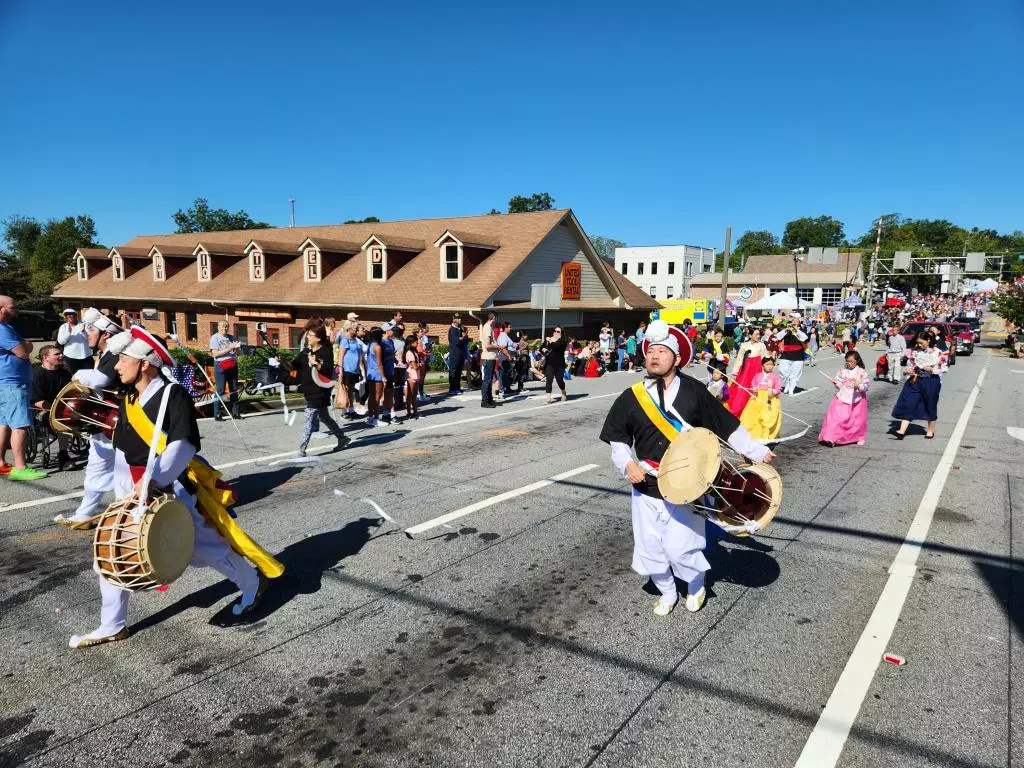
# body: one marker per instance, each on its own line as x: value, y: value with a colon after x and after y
x: 725, y: 278
x: 292, y: 201
x: 873, y: 270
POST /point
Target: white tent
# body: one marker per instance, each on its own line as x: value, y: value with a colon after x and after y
x: 779, y: 301
x: 986, y: 286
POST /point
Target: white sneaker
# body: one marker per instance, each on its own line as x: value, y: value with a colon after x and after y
x: 695, y: 602
x: 663, y: 607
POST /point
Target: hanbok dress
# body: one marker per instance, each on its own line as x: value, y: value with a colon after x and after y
x: 762, y: 415
x: 748, y: 365
x: 919, y: 398
x: 846, y: 420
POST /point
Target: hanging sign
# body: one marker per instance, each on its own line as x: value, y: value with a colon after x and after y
x: 572, y: 277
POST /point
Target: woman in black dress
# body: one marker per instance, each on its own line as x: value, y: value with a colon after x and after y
x: 554, y: 363
x: 919, y: 398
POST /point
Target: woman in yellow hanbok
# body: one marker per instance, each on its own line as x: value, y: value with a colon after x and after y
x: 762, y: 415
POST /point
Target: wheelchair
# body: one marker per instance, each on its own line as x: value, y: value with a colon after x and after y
x: 41, y: 442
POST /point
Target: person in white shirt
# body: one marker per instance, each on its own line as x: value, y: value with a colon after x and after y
x: 73, y: 337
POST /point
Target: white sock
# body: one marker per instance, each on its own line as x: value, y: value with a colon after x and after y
x: 666, y: 584
x: 696, y: 584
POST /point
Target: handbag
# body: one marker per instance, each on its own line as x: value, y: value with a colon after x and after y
x: 226, y: 363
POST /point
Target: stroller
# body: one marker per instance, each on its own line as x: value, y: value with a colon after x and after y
x: 882, y: 368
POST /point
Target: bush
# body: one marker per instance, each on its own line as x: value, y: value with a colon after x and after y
x: 258, y: 356
x: 436, y: 361
x: 180, y: 355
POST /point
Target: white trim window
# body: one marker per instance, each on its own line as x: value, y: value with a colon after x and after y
x: 831, y: 296
x: 311, y: 259
x: 82, y: 268
x: 257, y: 266
x: 159, y: 268
x: 688, y: 269
x: 377, y: 263
x: 203, y: 271
x: 451, y: 262
x: 118, y: 266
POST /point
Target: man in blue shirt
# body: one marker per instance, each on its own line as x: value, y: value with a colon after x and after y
x: 15, y: 380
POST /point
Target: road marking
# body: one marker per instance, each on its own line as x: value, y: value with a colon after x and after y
x: 40, y: 502
x: 1017, y: 433
x: 517, y: 410
x: 804, y: 391
x: 438, y: 521
x: 830, y: 733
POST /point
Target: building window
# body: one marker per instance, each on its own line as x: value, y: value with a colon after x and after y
x: 378, y: 258
x: 171, y: 323
x: 671, y: 269
x: 296, y: 337
x: 654, y: 291
x: 192, y: 326
x: 452, y: 261
x: 707, y: 267
x: 203, y: 266
x: 773, y: 291
x: 118, y: 268
x: 312, y: 265
x: 806, y: 294
x: 242, y: 332
x: 688, y: 269
x: 83, y: 268
x: 831, y: 296
x: 256, y: 271
x: 213, y: 327
x: 670, y: 292
x: 639, y: 267
x: 625, y: 269
x: 158, y: 267
x: 654, y: 267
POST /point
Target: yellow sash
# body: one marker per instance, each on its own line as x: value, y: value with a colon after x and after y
x: 211, y: 500
x: 650, y: 408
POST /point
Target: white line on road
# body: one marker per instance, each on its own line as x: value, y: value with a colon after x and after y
x: 437, y: 521
x: 829, y: 736
x: 804, y: 391
x: 1016, y: 433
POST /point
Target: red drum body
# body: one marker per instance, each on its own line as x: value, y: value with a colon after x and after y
x: 80, y: 411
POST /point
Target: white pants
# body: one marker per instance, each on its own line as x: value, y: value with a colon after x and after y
x: 667, y: 539
x: 895, y: 369
x: 790, y: 372
x: 211, y: 550
x: 99, y: 476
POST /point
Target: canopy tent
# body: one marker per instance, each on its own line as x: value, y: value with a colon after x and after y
x: 850, y: 302
x: 986, y: 286
x: 777, y: 301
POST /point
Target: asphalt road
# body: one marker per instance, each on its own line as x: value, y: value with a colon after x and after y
x: 519, y: 636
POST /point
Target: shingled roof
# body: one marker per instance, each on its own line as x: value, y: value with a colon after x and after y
x: 513, y: 238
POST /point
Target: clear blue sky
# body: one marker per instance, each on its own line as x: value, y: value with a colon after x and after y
x: 656, y: 123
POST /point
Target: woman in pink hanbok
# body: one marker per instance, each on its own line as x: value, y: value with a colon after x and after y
x: 846, y: 420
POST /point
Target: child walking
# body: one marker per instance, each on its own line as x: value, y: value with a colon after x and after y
x: 412, y: 378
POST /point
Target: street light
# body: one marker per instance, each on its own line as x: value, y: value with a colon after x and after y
x: 796, y: 274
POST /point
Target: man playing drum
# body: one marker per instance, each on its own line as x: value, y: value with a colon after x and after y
x: 99, y: 470
x: 668, y: 539
x: 219, y: 542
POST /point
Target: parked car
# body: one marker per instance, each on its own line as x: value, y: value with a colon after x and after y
x: 975, y: 324
x: 910, y: 330
x: 35, y: 325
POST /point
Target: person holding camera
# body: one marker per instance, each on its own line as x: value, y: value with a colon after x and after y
x: 554, y: 363
x: 224, y: 349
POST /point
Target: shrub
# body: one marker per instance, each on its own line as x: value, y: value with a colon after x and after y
x: 258, y: 356
x: 180, y: 355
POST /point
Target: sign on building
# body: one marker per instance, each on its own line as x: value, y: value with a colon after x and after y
x: 975, y: 262
x: 901, y: 260
x: 572, y: 278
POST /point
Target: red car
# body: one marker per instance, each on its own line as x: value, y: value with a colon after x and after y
x: 910, y: 330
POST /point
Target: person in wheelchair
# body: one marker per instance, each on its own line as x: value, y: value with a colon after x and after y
x: 47, y: 382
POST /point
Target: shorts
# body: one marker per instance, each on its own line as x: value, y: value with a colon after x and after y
x: 14, y: 406
x: 350, y: 378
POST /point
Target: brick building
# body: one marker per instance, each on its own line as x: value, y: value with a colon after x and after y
x: 427, y: 268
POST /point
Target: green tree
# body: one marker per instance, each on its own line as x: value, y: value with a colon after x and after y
x: 20, y: 235
x: 1009, y: 304
x: 756, y: 242
x: 605, y: 246
x: 51, y: 260
x: 820, y: 232
x: 367, y: 220
x: 540, y: 201
x: 202, y: 218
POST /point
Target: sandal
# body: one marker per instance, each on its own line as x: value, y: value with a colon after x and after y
x: 84, y: 641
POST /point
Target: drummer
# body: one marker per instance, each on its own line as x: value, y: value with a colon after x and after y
x: 668, y: 539
x: 106, y: 335
x: 219, y: 542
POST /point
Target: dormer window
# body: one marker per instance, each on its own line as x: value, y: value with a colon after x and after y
x: 451, y: 262
x: 377, y: 260
x: 257, y: 269
x: 311, y: 258
x: 82, y: 267
x: 118, y: 266
x: 159, y: 272
x: 203, y: 266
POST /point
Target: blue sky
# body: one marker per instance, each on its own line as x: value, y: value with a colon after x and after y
x: 657, y: 123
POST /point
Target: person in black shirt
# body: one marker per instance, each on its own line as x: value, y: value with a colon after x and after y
x: 315, y: 366
x: 554, y: 362
x: 47, y: 382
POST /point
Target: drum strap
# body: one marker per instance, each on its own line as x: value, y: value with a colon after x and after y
x: 665, y: 424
